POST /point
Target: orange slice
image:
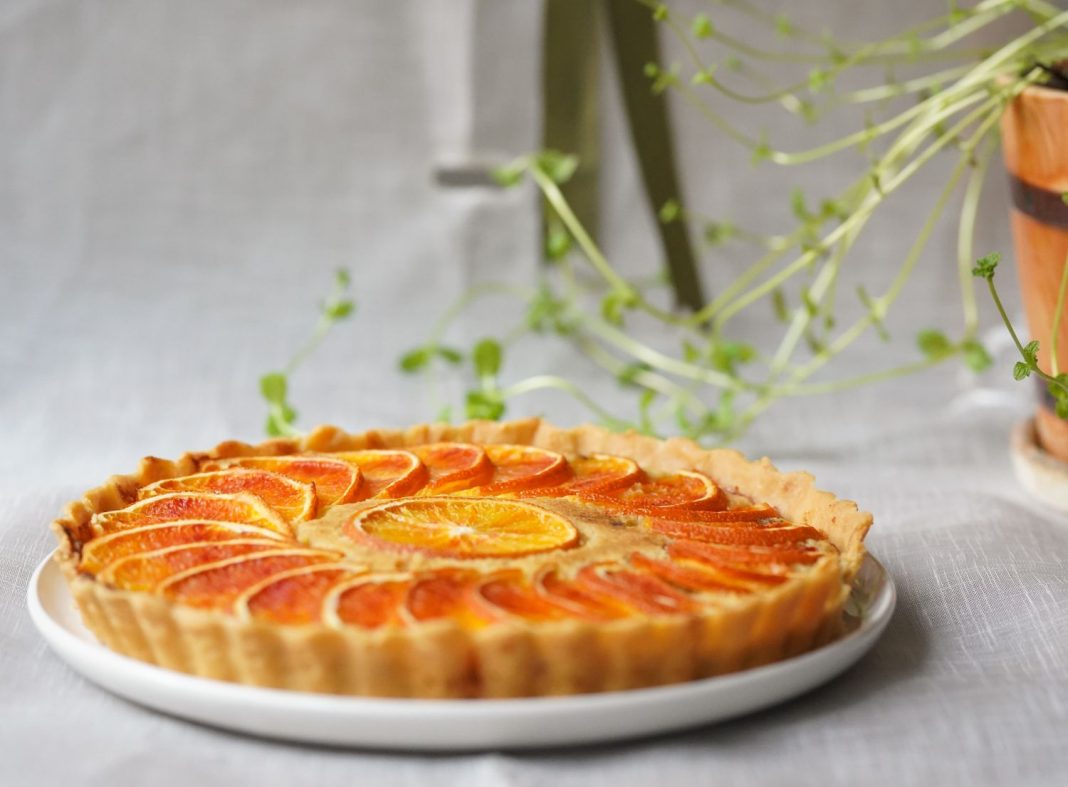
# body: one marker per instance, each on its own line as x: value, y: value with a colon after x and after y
x: 446, y: 594
x: 454, y: 466
x: 387, y: 473
x: 722, y: 555
x: 101, y: 551
x: 294, y: 500
x: 292, y: 597
x: 782, y: 533
x: 185, y: 506
x: 217, y: 585
x: 577, y: 598
x: 146, y: 570
x: 746, y: 514
x: 335, y: 481
x: 687, y: 577
x: 372, y: 603
x: 640, y: 591
x: 682, y: 491
x: 462, y: 527
x: 597, y: 474
x: 519, y: 468
x: 507, y: 594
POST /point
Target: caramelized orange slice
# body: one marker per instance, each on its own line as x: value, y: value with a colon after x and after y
x: 186, y: 506
x: 508, y: 594
x: 578, y: 598
x: 462, y: 527
x: 218, y: 584
x: 294, y: 500
x: 718, y: 554
x: 454, y: 466
x: 746, y: 514
x: 146, y: 570
x: 640, y: 591
x: 519, y: 468
x: 387, y: 473
x: 681, y: 491
x: 446, y: 594
x: 101, y: 551
x: 372, y: 602
x: 597, y: 474
x: 292, y: 597
x: 687, y: 577
x: 782, y: 533
x: 335, y: 481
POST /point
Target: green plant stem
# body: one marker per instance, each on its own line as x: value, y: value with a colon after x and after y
x: 966, y: 239
x: 1058, y: 311
x: 552, y: 381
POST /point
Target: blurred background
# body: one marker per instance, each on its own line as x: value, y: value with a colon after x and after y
x: 179, y: 182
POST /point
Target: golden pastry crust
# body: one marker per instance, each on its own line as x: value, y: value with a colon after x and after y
x: 440, y: 658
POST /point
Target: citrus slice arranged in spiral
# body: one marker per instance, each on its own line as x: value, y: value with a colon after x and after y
x: 677, y: 493
x: 192, y: 506
x: 100, y: 552
x: 520, y: 468
x: 335, y: 481
x: 386, y: 473
x: 461, y: 527
x: 145, y: 570
x: 293, y: 500
x: 453, y: 467
x: 597, y: 474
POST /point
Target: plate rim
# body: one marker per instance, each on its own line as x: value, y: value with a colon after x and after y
x: 62, y: 640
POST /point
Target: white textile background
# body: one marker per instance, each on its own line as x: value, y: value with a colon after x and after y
x: 178, y: 182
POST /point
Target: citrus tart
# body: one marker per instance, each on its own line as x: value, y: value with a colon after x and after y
x: 473, y: 561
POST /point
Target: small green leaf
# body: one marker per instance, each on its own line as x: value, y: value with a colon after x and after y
x: 985, y: 266
x: 761, y: 151
x: 778, y: 304
x: 934, y: 344
x: 669, y: 211
x: 799, y: 207
x: 703, y: 77
x: 651, y: 69
x: 645, y: 401
x: 273, y: 387
x: 482, y: 404
x: 449, y: 355
x: 665, y: 79
x: 660, y: 13
x: 508, y: 175
x: 627, y: 375
x: 1060, y: 407
x: 976, y: 356
x: 818, y: 80
x: 557, y: 241
x: 1020, y: 370
x: 1030, y: 352
x: 690, y: 353
x: 558, y: 166
x: 342, y: 278
x: 338, y: 310
x: 615, y: 303
x: 733, y: 63
x: 1064, y: 198
x: 486, y: 357
x: 702, y: 26
x: 719, y: 232
x: 445, y: 415
x: 783, y: 26
x: 415, y: 360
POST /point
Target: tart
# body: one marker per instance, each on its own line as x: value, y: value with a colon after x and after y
x: 481, y: 560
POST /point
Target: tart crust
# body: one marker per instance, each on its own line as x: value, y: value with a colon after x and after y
x: 441, y: 659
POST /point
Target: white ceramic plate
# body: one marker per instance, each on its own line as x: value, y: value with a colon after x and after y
x: 444, y: 725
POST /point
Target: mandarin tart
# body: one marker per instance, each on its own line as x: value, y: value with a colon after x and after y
x: 482, y: 560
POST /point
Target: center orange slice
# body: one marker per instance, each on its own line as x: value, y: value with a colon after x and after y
x: 387, y: 473
x: 335, y: 481
x: 454, y: 466
x: 462, y: 527
x: 519, y: 468
x: 294, y: 500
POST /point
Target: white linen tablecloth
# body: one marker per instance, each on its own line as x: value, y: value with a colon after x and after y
x: 177, y: 183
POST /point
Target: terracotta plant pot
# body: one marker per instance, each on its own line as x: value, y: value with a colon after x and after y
x: 1035, y: 132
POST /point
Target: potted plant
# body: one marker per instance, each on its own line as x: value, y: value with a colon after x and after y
x: 710, y: 381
